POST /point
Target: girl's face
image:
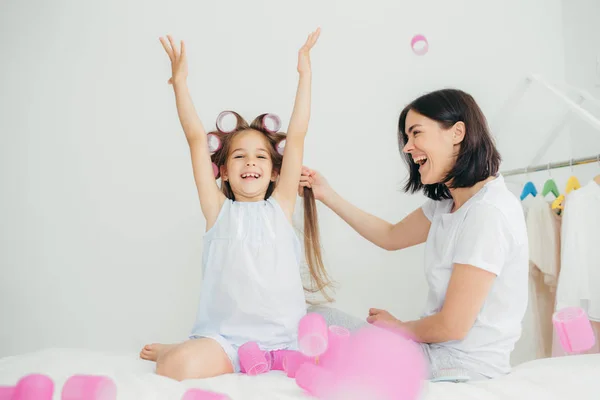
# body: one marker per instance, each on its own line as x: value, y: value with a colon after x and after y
x: 432, y: 147
x: 249, y: 168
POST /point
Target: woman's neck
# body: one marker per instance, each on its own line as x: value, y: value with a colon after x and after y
x: 461, y: 195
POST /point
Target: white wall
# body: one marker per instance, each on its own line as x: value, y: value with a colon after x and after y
x: 582, y: 68
x: 101, y: 228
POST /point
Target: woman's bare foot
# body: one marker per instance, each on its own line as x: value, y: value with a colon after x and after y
x: 154, y: 351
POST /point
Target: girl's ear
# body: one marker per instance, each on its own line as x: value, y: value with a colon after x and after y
x: 274, y: 175
x: 223, y: 173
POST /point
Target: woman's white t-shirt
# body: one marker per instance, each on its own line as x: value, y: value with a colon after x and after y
x: 487, y: 232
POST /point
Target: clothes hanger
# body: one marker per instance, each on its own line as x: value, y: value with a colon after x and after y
x: 550, y: 186
x: 529, y: 188
x: 573, y: 182
x: 559, y: 203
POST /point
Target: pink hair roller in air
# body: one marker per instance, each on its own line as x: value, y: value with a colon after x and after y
x: 199, y: 394
x: 278, y: 359
x: 376, y: 364
x: 313, y: 335
x: 89, y: 387
x: 293, y: 361
x: 30, y: 387
x: 419, y: 44
x: 253, y: 360
x: 316, y: 380
x: 6, y: 392
x: 574, y: 330
x: 338, y: 342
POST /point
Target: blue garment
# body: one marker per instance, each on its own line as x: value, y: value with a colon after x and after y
x: 252, y: 289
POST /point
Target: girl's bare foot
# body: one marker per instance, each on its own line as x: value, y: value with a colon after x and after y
x: 154, y: 351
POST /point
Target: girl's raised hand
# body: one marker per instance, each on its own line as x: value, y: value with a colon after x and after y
x: 304, y: 53
x: 179, y: 69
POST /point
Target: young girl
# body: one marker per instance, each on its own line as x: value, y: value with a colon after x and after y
x: 252, y: 288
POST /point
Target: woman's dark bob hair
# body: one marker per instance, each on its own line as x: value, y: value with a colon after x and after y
x: 477, y: 159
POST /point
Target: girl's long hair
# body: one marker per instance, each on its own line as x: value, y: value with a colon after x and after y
x: 319, y: 278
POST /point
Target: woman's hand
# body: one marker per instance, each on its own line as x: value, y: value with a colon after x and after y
x: 179, y: 68
x: 314, y: 180
x: 304, y: 53
x: 382, y: 317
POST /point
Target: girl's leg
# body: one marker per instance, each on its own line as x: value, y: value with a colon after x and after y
x: 193, y: 359
x: 151, y: 352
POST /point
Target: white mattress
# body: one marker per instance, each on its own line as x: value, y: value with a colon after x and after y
x: 574, y: 377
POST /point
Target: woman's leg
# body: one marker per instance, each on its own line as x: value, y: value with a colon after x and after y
x: 333, y: 316
x: 193, y: 359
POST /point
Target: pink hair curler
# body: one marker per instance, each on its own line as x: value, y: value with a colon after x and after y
x: 227, y: 122
x: 253, y: 360
x: 271, y: 123
x: 199, y: 394
x: 6, y: 392
x: 313, y: 335
x: 34, y: 387
x: 89, y: 387
x: 315, y: 380
x: 280, y: 147
x: 338, y: 342
x: 278, y: 359
x: 574, y: 329
x: 293, y: 361
x: 419, y: 44
x: 214, y: 143
x: 378, y: 364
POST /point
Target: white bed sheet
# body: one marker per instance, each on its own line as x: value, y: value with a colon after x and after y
x: 572, y: 378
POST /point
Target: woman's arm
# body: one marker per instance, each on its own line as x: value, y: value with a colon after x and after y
x: 410, y: 231
x: 291, y: 166
x: 211, y: 198
x: 468, y: 288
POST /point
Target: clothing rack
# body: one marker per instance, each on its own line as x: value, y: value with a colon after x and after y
x: 574, y: 109
x: 561, y: 164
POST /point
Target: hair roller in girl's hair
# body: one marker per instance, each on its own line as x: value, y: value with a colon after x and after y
x: 574, y: 330
x: 271, y: 123
x: 214, y: 143
x: 227, y: 122
x: 280, y: 146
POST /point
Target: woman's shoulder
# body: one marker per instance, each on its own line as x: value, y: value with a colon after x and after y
x: 498, y: 205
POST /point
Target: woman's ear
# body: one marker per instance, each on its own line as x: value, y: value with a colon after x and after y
x: 458, y: 132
